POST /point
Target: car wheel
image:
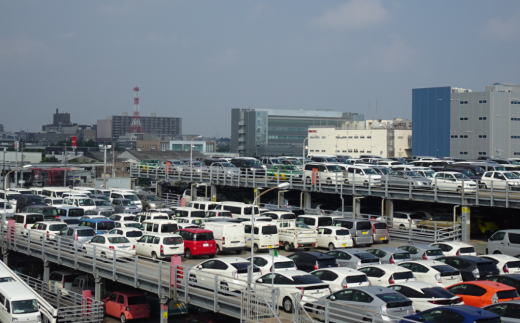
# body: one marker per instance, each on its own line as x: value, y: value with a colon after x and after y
x: 238, y: 252
x: 402, y: 227
x: 193, y: 279
x: 496, y: 252
x: 123, y: 318
x: 287, y: 246
x: 219, y: 252
x: 187, y: 254
x: 103, y: 255
x: 329, y: 181
x: 212, y: 256
x: 287, y: 305
x: 154, y: 255
x: 255, y: 248
x: 147, y: 208
x: 484, y: 186
x: 331, y: 246
x: 459, y: 190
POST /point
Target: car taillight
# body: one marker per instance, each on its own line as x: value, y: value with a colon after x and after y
x: 424, y: 256
x: 111, y: 247
x: 128, y: 308
x: 63, y: 282
x: 76, y: 237
x: 47, y: 234
x: 505, y: 269
x: 392, y: 260
x: 438, y: 278
x: 494, y: 299
x: 162, y: 249
x: 316, y: 267
x: 57, y: 216
x: 374, y: 228
x: 458, y: 252
x: 271, y: 269
x: 25, y: 226
x: 303, y: 291
x: 133, y: 247
x: 344, y: 283
x: 391, y: 281
x: 223, y: 240
x: 235, y: 274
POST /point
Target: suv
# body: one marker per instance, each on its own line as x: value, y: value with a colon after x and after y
x: 25, y: 200
x: 360, y: 230
x: 198, y: 242
x: 249, y: 166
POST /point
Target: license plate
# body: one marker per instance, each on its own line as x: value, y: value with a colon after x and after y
x: 382, y: 238
x: 365, y: 232
x: 205, y: 245
x: 270, y: 246
x: 344, y: 245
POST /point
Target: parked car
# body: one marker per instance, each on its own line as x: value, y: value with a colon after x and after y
x: 159, y: 245
x: 426, y: 296
x: 284, y: 172
x: 126, y: 224
x: 102, y: 204
x: 49, y: 212
x: 509, y: 311
x: 125, y: 206
x: 405, y: 179
x: 132, y: 234
x: 333, y: 238
x: 341, y: 277
x: 459, y: 314
x: 390, y: 255
x: 360, y: 230
x: 481, y: 293
x: 471, y: 267
x: 232, y: 273
x: 433, y: 272
x: 46, y: 230
x: 354, y: 258
x: 453, y: 181
x: 504, y: 242
x: 422, y: 251
x: 76, y: 236
x: 127, y: 305
x: 500, y: 180
x: 150, y: 201
x: 455, y: 248
x: 24, y: 200
x: 122, y: 217
x: 109, y: 246
x: 313, y: 260
x: 198, y: 242
x: 380, y: 231
x: 62, y: 280
x: 265, y: 263
x: 100, y: 226
x: 506, y: 264
x: 383, y: 275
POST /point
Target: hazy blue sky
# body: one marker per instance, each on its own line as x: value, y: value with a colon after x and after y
x: 199, y: 59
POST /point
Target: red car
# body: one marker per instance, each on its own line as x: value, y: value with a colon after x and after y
x: 127, y: 305
x: 481, y: 293
x: 198, y: 242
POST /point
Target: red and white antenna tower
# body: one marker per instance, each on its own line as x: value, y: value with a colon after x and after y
x: 136, y: 119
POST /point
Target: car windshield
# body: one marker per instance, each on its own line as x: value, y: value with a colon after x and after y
x: 136, y: 300
x: 291, y: 168
x: 284, y: 264
x: 437, y: 292
x: 86, y: 202
x: 428, y: 173
x: 35, y: 200
x: 412, y: 174
x: 106, y: 213
x: 306, y: 279
x: 7, y: 205
x: 102, y: 203
x: 25, y: 306
x: 57, y: 227
x: 384, y: 171
x: 105, y: 225
x: 391, y: 297
x: 116, y: 240
x: 466, y: 172
x: 134, y: 234
x: 131, y: 197
x: 256, y: 163
x: 132, y: 225
x: 276, y: 161
x: 49, y: 211
x: 152, y: 198
x: 370, y: 171
x: 416, y: 217
x: 335, y: 169
x: 295, y: 162
x: 510, y: 175
x: 461, y: 177
x: 302, y: 225
x: 127, y: 202
x: 249, y: 210
x: 330, y: 159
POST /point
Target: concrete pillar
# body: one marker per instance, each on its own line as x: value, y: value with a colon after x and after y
x: 281, y: 198
x: 389, y: 211
x: 98, y: 288
x: 307, y: 200
x: 164, y: 309
x: 5, y: 256
x: 46, y: 271
x: 214, y: 193
x: 356, y: 206
x: 465, y: 223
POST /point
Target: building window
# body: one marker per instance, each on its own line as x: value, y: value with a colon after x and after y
x: 482, y: 136
x: 369, y: 151
x: 323, y: 137
x: 515, y: 102
x: 463, y: 136
x: 515, y: 137
x: 517, y: 153
x: 355, y: 150
x: 344, y: 151
x: 482, y: 101
x: 482, y: 153
x: 312, y: 150
x: 369, y: 137
x: 463, y: 152
x: 349, y: 137
x: 362, y: 137
x: 464, y: 118
x: 323, y: 151
x: 455, y: 136
x: 515, y: 119
x: 337, y: 151
x: 355, y: 137
x: 362, y: 151
x: 350, y: 150
x: 482, y: 118
x: 463, y: 102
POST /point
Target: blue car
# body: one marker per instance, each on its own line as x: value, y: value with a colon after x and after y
x: 454, y: 314
x: 100, y: 226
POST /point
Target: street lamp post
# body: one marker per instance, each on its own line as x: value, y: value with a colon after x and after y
x: 250, y: 276
x: 191, y: 157
x: 105, y: 147
x: 3, y: 169
x: 5, y: 192
x: 303, y: 153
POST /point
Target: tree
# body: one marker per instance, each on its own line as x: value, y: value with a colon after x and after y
x: 50, y: 159
x: 223, y: 149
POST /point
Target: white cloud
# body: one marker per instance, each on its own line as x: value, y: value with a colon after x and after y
x: 21, y: 46
x: 353, y: 15
x: 503, y: 29
x: 393, y: 56
x: 225, y: 58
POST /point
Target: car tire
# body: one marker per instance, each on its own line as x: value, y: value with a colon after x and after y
x: 255, y: 248
x: 286, y: 246
x: 219, y: 252
x: 224, y: 286
x: 287, y: 305
x: 459, y: 190
x: 187, y: 254
x: 496, y: 252
x: 331, y: 246
x: 154, y: 255
x: 193, y: 279
x: 123, y: 318
x: 484, y: 186
x: 238, y: 252
x: 147, y: 208
x: 329, y: 181
x: 212, y: 256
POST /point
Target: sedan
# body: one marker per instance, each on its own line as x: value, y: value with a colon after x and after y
x: 426, y: 296
x: 231, y: 273
x: 341, y: 278
x: 109, y: 246
x: 509, y: 311
x: 481, y: 293
x: 281, y: 263
x: 405, y: 178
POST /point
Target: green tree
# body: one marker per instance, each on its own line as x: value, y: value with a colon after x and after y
x: 50, y: 159
x: 223, y: 149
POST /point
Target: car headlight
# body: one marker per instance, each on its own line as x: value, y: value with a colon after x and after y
x: 426, y: 183
x: 419, y: 183
x: 15, y: 320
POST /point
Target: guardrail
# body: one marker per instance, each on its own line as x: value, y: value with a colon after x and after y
x: 338, y: 184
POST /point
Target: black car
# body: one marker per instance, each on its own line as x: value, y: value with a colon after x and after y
x: 474, y: 168
x: 471, y: 267
x: 25, y: 200
x: 309, y: 261
x: 49, y: 212
x: 468, y: 173
x: 249, y: 166
x: 512, y: 280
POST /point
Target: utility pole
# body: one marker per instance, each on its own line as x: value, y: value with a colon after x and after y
x: 114, y: 161
x: 65, y: 172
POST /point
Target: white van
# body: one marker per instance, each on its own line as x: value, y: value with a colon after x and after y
x: 160, y: 245
x: 362, y: 175
x: 203, y: 205
x: 128, y: 196
x: 266, y: 235
x: 21, y: 190
x: 239, y: 209
x: 327, y: 173
x: 159, y: 226
x: 189, y: 212
x: 228, y: 236
x: 85, y: 203
x: 55, y: 191
x: 18, y: 303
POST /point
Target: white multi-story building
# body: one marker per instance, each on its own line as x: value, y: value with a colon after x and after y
x: 385, y: 138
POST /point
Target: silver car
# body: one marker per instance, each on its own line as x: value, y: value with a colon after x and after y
x: 354, y: 258
x: 76, y: 236
x: 423, y: 251
x: 125, y: 206
x: 102, y: 204
x: 390, y: 255
x: 198, y: 167
x: 369, y: 303
x: 405, y: 178
x: 509, y: 311
x: 224, y: 169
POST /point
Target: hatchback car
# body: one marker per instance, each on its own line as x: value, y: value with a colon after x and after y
x: 506, y: 264
x: 360, y: 230
x: 422, y: 251
x: 232, y: 273
x: 383, y: 275
x: 509, y: 311
x: 125, y: 206
x: 504, y: 242
x: 341, y: 278
x: 471, y: 267
x: 481, y: 293
x: 313, y: 260
x: 380, y: 231
x: 109, y: 246
x: 425, y: 296
x: 127, y: 305
x: 132, y: 234
x: 512, y: 280
x: 459, y: 314
x: 455, y: 248
x: 265, y: 263
x: 433, y: 272
x: 46, y: 230
x: 390, y: 255
x: 453, y: 181
x: 354, y: 258
x: 159, y: 245
x: 333, y: 237
x: 198, y: 242
x: 76, y: 236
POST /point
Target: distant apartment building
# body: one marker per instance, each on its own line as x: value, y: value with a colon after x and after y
x: 385, y: 138
x: 279, y: 132
x: 455, y: 122
x: 115, y: 126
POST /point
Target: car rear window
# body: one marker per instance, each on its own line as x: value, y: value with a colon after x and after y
x: 85, y: 233
x: 379, y: 226
x: 136, y: 300
x: 167, y: 228
x: 403, y: 255
x: 269, y: 229
x: 513, y: 264
x: 362, y: 225
x: 446, y: 270
x: 105, y: 225
x: 342, y: 232
x: 394, y: 300
x: 486, y: 266
x: 241, y: 267
x: 57, y: 227
x: 507, y: 294
x: 172, y: 240
x: 33, y: 218
x: 306, y: 279
x: 467, y: 250
x: 69, y: 278
x: 284, y: 264
x: 134, y: 234
x: 204, y: 236
x: 403, y: 275
x: 198, y: 214
x: 357, y: 279
x: 437, y: 292
x: 324, y: 222
x: 327, y: 262
x: 436, y: 252
x: 76, y: 212
x: 118, y: 240
x: 71, y: 221
x: 365, y: 255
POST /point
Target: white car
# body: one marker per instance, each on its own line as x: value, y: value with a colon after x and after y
x: 384, y: 275
x: 46, y: 229
x: 506, y: 264
x: 132, y: 234
x: 425, y: 296
x: 341, y: 278
x: 127, y: 224
x: 231, y: 273
x: 500, y: 179
x: 54, y: 201
x: 160, y: 245
x: 334, y: 237
x: 184, y: 223
x: 295, y: 281
x: 453, y: 181
x: 265, y: 263
x: 455, y: 248
x: 433, y: 272
x: 108, y: 245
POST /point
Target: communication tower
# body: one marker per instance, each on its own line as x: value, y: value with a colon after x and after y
x: 136, y: 119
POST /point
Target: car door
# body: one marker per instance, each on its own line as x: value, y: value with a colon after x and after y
x: 471, y: 294
x: 140, y: 246
x: 119, y: 306
x: 111, y: 304
x: 512, y: 244
x: 438, y: 180
x: 205, y: 273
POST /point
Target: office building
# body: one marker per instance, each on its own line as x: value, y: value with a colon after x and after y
x: 385, y: 138
x: 115, y: 126
x: 460, y: 123
x: 278, y: 132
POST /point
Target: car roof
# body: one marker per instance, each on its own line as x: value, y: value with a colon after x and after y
x: 389, y: 249
x: 276, y: 259
x: 317, y: 254
x: 291, y: 273
x: 15, y: 290
x: 426, y: 262
x: 421, y: 245
x: 454, y: 243
x: 195, y: 230
x: 389, y: 267
x: 417, y: 285
x: 500, y: 257
x: 352, y: 251
x: 374, y: 289
x: 97, y: 220
x: 50, y: 222
x: 127, y: 229
x: 343, y: 270
x: 489, y: 284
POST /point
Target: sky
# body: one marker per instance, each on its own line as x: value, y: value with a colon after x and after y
x: 199, y: 59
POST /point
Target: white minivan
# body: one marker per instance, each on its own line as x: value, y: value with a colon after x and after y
x: 239, y: 209
x: 361, y: 175
x: 18, y: 304
x: 228, y: 236
x: 324, y: 173
x: 266, y: 235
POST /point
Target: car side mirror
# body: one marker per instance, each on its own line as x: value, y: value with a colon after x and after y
x: 199, y: 267
x: 332, y: 298
x: 259, y: 280
x: 405, y: 176
x: 419, y: 318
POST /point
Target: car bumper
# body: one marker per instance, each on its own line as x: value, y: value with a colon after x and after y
x: 233, y: 248
x: 137, y: 315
